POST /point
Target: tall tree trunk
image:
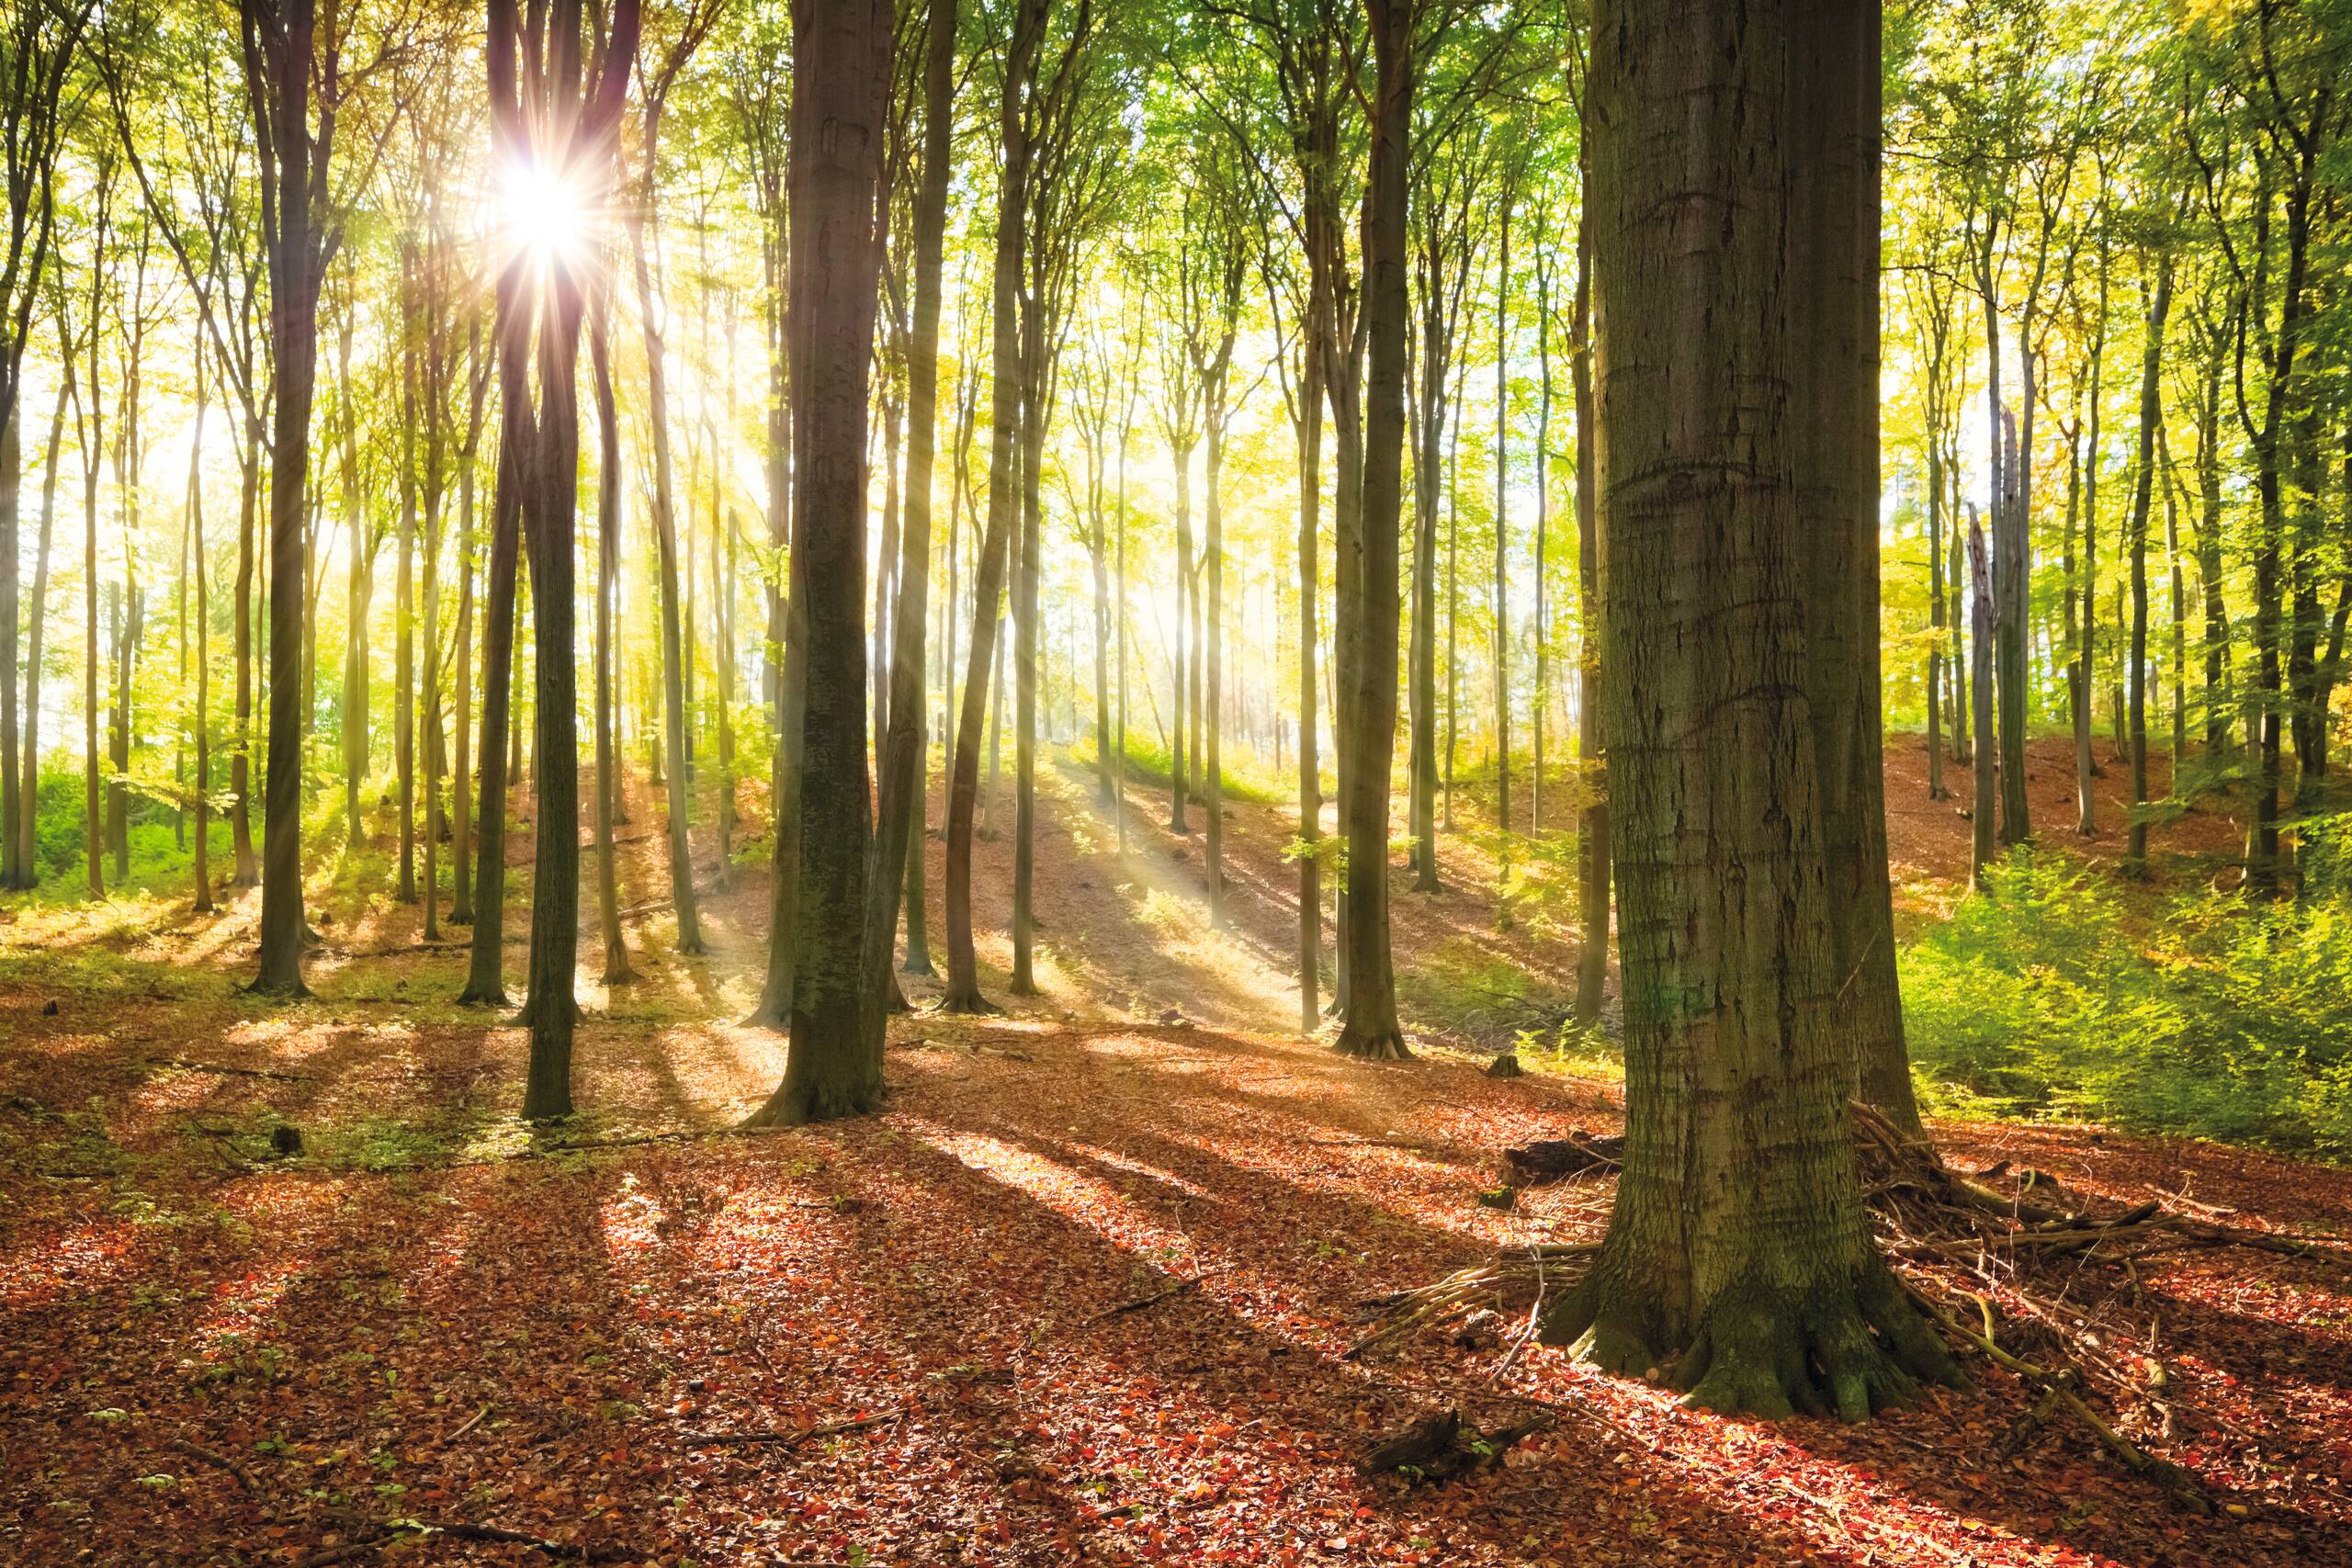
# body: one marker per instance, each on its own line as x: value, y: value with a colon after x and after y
x: 1502, y: 529
x: 1542, y: 518
x: 1833, y: 328
x: 485, y: 973
x: 1980, y: 582
x: 1738, y: 1250
x: 1181, y: 454
x: 201, y: 719
x: 1368, y: 657
x: 842, y: 70
x: 296, y: 253
x: 405, y: 612
x: 2087, y: 646
x: 901, y: 804
x: 12, y: 873
x: 1021, y: 61
x: 1213, y: 619
x: 1023, y: 981
x: 92, y: 429
x: 674, y: 655
x: 1310, y: 771
x: 25, y: 828
x: 1593, y: 859
x: 618, y: 971
x: 2143, y: 493
x: 240, y: 827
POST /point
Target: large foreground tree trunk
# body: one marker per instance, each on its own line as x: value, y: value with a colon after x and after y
x: 842, y: 70
x: 1738, y: 1253
x: 1834, y: 323
x: 1368, y: 659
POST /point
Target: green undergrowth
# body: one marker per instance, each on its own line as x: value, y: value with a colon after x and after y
x: 1147, y: 764
x: 2049, y: 994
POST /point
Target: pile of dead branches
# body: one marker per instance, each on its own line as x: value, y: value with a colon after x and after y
x: 1972, y: 1248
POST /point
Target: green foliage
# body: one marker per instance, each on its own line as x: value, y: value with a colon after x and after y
x: 1148, y: 764
x: 2222, y: 1019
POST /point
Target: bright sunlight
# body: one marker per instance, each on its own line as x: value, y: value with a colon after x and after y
x: 537, y: 209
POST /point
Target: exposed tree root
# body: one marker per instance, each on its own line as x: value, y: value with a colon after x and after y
x: 1851, y: 1349
x: 1962, y: 1245
x: 1380, y: 1045
x: 967, y: 1004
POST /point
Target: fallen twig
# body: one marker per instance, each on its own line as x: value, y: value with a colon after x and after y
x: 182, y: 1064
x: 1180, y: 1288
x: 470, y: 1425
x: 792, y: 1438
x: 219, y: 1461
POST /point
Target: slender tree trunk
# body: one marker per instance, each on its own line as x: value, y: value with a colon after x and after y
x: 1213, y: 762
x: 1022, y: 982
x: 2143, y: 491
x: 25, y: 828
x: 1181, y: 454
x: 1981, y: 806
x: 674, y: 655
x: 93, y: 426
x: 12, y: 873
x: 240, y: 830
x: 295, y: 252
x: 962, y: 966
x: 915, y: 577
x: 1502, y: 531
x: 404, y: 612
x: 1368, y: 658
x: 1593, y: 860
x: 485, y: 977
x: 618, y: 971
x: 1310, y: 773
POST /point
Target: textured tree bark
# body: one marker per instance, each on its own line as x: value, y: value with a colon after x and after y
x: 1833, y: 327
x: 841, y: 73
x: 1738, y: 1254
x: 963, y: 993
x: 1368, y: 658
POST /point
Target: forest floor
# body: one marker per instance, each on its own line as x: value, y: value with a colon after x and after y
x: 1084, y: 1293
